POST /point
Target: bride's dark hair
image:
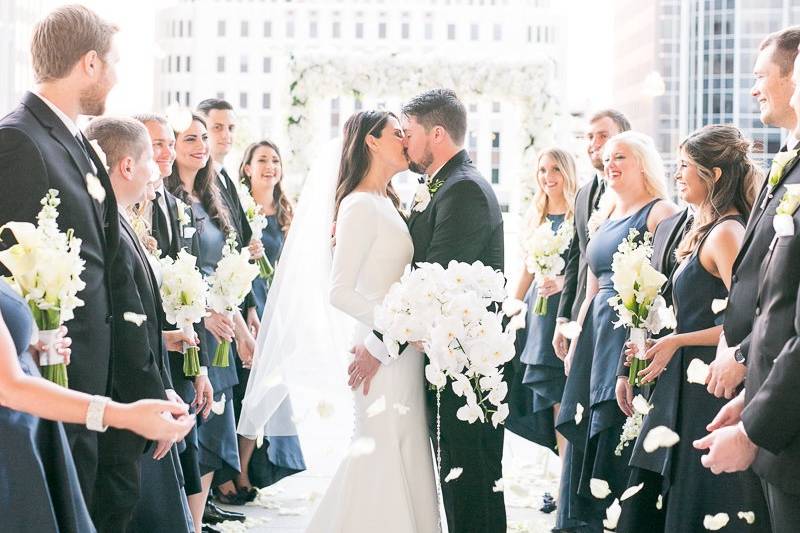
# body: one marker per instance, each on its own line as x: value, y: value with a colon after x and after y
x: 356, y: 157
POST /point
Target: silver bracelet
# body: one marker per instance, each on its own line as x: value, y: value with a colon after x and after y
x: 95, y: 413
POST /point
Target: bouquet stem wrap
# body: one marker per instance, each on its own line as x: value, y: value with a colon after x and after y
x: 221, y: 358
x: 51, y: 364
x: 638, y: 336
x: 540, y: 306
x: 191, y: 354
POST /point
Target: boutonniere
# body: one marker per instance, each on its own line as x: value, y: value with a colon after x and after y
x: 779, y: 164
x: 425, y: 193
x: 783, y: 223
x: 183, y: 216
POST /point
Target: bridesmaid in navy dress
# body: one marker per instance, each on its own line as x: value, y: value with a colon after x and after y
x: 715, y: 176
x: 539, y: 370
x: 39, y: 489
x: 261, y: 172
x: 634, y: 199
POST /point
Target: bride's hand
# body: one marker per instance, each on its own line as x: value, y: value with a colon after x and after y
x: 362, y: 369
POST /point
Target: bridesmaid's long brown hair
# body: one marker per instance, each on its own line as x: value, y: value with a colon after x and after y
x: 356, y: 157
x: 283, y: 206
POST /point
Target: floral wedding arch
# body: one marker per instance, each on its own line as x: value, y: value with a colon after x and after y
x: 527, y: 85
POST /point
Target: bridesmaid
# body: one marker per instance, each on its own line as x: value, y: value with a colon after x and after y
x: 261, y: 171
x: 40, y: 490
x: 541, y: 371
x: 717, y: 178
x: 192, y: 182
x: 589, y: 417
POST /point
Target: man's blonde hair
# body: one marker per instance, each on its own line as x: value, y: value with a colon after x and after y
x: 119, y: 137
x: 64, y: 36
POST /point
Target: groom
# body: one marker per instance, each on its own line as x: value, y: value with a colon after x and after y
x: 462, y: 222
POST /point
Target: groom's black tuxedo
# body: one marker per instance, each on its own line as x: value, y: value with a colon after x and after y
x: 463, y: 222
x: 37, y: 153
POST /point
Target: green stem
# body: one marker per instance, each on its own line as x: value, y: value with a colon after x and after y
x: 191, y: 361
x: 221, y: 355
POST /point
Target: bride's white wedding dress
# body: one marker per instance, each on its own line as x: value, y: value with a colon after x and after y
x: 392, y: 489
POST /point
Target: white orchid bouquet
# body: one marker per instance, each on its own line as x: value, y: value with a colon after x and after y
x: 228, y: 286
x: 45, y: 267
x: 543, y: 248
x: 257, y: 222
x: 184, y: 293
x: 638, y: 302
x: 447, y: 311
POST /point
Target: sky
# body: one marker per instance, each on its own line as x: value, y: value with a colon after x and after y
x: 589, y: 58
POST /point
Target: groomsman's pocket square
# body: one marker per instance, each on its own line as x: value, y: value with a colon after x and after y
x: 783, y: 225
x: 188, y: 232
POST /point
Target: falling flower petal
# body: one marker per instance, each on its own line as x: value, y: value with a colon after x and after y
x: 498, y: 486
x: 718, y: 305
x: 134, y: 318
x: 659, y: 437
x: 630, y: 491
x: 578, y: 414
x: 401, y: 408
x: 613, y: 513
x: 376, y: 407
x: 599, y: 488
x: 454, y: 473
x: 715, y: 522
x: 218, y: 407
x: 325, y: 409
x: 697, y: 372
x: 179, y: 118
x: 659, y: 502
x: 362, y: 446
x: 747, y: 516
x: 570, y: 330
x: 95, y: 188
x: 640, y: 405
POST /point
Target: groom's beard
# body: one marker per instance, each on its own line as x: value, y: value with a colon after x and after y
x: 422, y: 166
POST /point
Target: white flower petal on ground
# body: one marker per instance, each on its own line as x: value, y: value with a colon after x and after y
x: 570, y: 330
x: 499, y: 486
x: 630, y: 491
x: 401, y: 408
x: 517, y: 489
x: 660, y: 502
x: 95, y: 188
x: 376, y: 407
x: 659, y: 437
x: 362, y: 446
x: 697, y: 372
x: 325, y: 409
x: 613, y: 513
x: 218, y: 408
x: 292, y: 511
x: 453, y: 474
x: 578, y: 414
x: 747, y: 516
x: 718, y: 305
x: 715, y: 522
x: 134, y: 318
x: 640, y: 405
x: 599, y: 488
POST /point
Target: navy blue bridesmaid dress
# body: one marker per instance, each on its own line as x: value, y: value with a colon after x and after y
x: 689, y: 490
x: 591, y: 385
x: 539, y: 370
x: 39, y: 489
x: 279, y: 456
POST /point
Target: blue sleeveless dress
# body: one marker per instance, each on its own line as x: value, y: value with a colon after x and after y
x: 689, y: 490
x: 279, y: 456
x: 539, y: 371
x: 591, y: 384
x: 218, y: 444
x: 39, y: 489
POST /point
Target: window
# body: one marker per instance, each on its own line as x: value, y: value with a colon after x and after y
x: 221, y: 28
x: 188, y: 28
x: 495, y: 157
x: 474, y: 32
x: 180, y: 29
x: 290, y: 25
x: 220, y: 63
x: 451, y: 32
x: 312, y: 29
x: 335, y: 113
x: 266, y: 100
x: 428, y: 26
x: 169, y: 63
x: 243, y: 100
x: 177, y: 63
x: 382, y: 29
x: 177, y: 97
x: 336, y: 29
x: 221, y: 95
x: 267, y: 29
x: 495, y: 107
x: 498, y: 32
x: 359, y: 27
x: 405, y: 30
x: 186, y: 102
x: 267, y: 67
x: 245, y: 30
x: 243, y: 65
x: 472, y: 146
x: 188, y: 63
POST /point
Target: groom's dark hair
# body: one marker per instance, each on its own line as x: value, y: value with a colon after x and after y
x: 439, y: 107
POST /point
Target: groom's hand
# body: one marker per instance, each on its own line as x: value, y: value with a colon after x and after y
x: 362, y: 369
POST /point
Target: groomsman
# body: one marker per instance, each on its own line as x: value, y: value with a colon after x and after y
x: 760, y: 428
x: 773, y: 89
x: 140, y: 369
x: 602, y: 126
x: 74, y: 61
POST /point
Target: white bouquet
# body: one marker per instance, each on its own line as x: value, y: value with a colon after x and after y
x: 447, y: 311
x: 45, y: 266
x: 183, y: 296
x: 543, y: 249
x: 638, y: 302
x: 228, y: 286
x: 257, y: 222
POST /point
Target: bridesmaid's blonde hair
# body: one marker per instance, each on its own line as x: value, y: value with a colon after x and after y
x: 566, y: 164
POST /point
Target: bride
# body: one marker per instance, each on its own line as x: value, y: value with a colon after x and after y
x: 386, y: 483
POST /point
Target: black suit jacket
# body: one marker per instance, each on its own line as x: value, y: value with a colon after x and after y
x: 37, y: 153
x: 244, y: 232
x: 574, y: 290
x: 772, y: 395
x: 463, y: 221
x: 745, y: 279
